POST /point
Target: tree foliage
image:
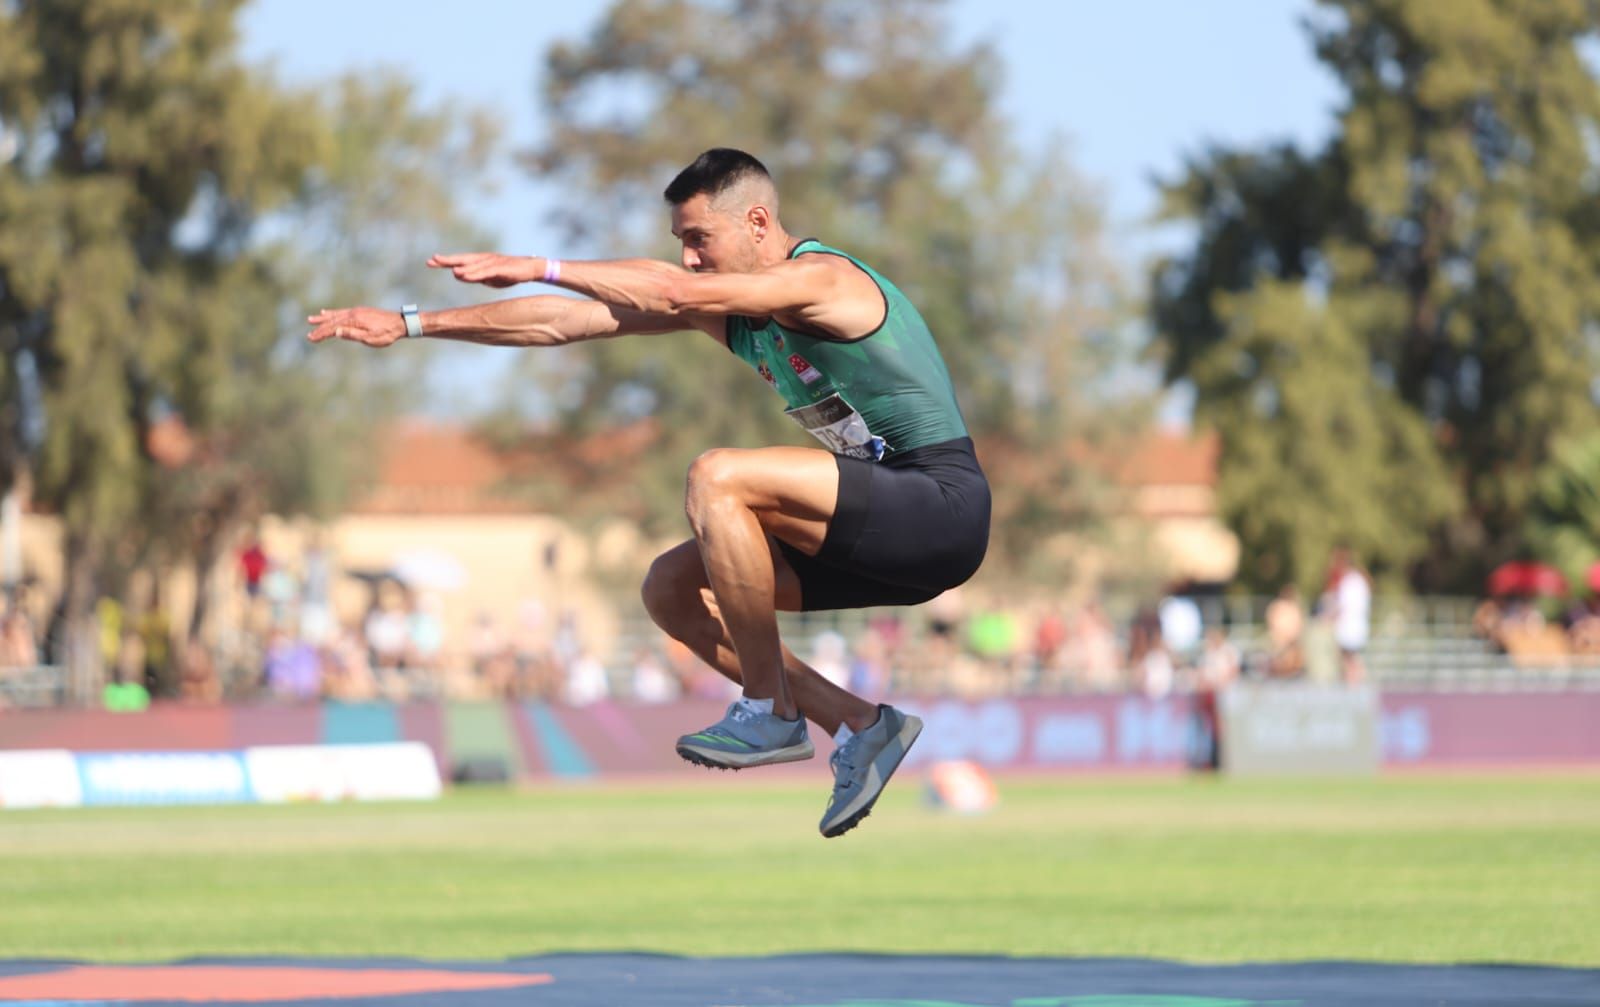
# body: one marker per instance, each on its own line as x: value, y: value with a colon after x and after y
x: 885, y: 141
x: 1565, y: 520
x: 1434, y: 262
x: 166, y: 215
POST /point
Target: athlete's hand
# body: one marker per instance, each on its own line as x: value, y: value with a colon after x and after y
x: 491, y: 268
x: 368, y: 326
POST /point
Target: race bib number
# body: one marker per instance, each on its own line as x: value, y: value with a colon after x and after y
x: 841, y: 429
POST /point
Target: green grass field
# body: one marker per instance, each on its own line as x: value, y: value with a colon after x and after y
x: 1399, y: 869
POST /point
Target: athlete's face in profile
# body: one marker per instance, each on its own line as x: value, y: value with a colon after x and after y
x: 714, y: 241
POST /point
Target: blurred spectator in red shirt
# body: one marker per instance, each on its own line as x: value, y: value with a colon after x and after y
x: 1049, y: 636
x: 254, y: 563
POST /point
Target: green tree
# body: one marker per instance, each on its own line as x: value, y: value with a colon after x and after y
x: 1565, y: 521
x: 282, y: 428
x: 1446, y: 235
x: 160, y: 208
x: 885, y: 141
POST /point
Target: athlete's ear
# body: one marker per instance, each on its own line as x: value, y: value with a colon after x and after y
x: 759, y: 220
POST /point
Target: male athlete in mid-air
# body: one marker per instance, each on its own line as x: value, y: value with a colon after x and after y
x: 894, y: 512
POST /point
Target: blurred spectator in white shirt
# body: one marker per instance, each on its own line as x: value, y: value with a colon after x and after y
x: 829, y: 656
x: 425, y: 633
x: 386, y: 630
x: 652, y: 682
x: 1181, y: 625
x: 586, y: 681
x: 1352, y: 613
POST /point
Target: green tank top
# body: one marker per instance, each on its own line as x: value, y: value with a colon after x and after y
x: 880, y: 395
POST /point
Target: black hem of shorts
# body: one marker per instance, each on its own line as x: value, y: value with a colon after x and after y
x: 849, y: 512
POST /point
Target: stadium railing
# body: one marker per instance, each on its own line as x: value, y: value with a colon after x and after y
x: 42, y: 685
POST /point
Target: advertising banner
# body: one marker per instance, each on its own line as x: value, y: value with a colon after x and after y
x: 378, y: 751
x: 1294, y: 729
x: 63, y: 779
x: 163, y: 778
x: 1087, y: 732
x: 43, y: 779
x: 395, y: 772
x: 1491, y: 728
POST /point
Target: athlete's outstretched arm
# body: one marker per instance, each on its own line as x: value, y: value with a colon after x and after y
x: 657, y: 287
x: 524, y: 321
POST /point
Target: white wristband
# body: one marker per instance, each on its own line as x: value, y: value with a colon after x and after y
x: 413, y: 321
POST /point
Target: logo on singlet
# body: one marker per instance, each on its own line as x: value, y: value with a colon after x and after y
x: 802, y: 367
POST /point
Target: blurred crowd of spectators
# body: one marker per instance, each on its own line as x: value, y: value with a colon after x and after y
x: 1520, y: 628
x: 947, y: 647
x: 291, y: 647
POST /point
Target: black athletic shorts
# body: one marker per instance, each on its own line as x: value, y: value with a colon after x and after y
x: 904, y: 530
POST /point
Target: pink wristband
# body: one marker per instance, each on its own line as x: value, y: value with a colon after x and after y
x: 552, y: 270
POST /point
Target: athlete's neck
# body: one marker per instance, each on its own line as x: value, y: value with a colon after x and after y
x: 777, y: 248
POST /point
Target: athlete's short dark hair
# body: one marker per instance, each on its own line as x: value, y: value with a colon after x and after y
x: 713, y: 173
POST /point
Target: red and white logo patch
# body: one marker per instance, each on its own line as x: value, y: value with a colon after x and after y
x: 803, y: 367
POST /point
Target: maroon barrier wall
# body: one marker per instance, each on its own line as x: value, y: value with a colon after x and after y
x: 1486, y: 728
x: 1080, y: 733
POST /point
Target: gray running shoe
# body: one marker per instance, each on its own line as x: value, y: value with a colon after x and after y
x: 862, y: 765
x: 745, y: 737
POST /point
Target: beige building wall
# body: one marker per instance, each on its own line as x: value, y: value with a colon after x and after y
x: 1185, y: 532
x: 510, y: 566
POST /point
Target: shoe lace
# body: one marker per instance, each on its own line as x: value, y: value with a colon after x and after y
x: 842, y: 762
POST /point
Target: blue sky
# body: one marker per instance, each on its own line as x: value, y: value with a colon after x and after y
x: 1133, y: 85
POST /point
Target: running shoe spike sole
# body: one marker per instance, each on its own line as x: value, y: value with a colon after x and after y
x: 722, y: 760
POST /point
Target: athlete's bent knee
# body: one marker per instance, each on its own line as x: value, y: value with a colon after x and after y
x: 660, y: 593
x: 674, y: 593
x: 712, y: 477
